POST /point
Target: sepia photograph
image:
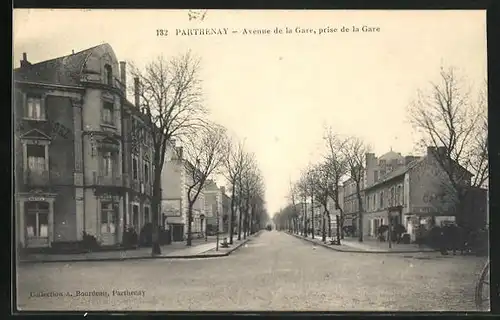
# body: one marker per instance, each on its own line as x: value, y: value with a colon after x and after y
x: 250, y: 160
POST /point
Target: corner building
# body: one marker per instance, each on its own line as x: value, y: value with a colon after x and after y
x: 69, y: 171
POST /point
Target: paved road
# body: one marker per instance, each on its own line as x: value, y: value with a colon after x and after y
x: 273, y: 272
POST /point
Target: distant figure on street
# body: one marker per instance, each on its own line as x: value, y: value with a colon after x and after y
x: 445, y: 242
x: 399, y: 230
x: 420, y: 235
x: 458, y: 239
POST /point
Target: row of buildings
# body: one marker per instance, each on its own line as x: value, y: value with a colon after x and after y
x: 409, y: 190
x: 83, y: 162
x: 396, y: 189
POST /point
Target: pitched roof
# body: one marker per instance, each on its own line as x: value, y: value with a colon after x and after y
x: 390, y: 156
x: 399, y: 171
x: 65, y: 70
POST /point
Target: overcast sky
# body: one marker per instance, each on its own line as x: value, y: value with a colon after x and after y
x: 278, y: 91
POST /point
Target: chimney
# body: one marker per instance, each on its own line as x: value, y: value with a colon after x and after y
x: 431, y: 150
x: 442, y: 151
x: 123, y: 74
x: 136, y: 91
x: 223, y: 190
x: 25, y: 63
x: 409, y: 159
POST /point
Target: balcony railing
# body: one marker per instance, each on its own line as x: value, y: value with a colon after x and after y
x: 100, y: 180
x: 37, y: 178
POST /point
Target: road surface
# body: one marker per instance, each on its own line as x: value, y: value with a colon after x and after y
x: 273, y: 272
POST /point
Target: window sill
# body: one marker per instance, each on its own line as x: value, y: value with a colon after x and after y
x: 33, y: 119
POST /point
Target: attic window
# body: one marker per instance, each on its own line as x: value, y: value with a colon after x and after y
x: 108, y: 73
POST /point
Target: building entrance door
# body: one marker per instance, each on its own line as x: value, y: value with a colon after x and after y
x: 109, y: 217
x: 37, y: 223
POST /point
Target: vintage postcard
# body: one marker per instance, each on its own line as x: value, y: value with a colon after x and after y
x: 234, y: 160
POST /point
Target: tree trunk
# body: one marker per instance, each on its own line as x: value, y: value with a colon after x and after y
x: 312, y: 216
x: 305, y: 218
x: 156, y: 200
x: 360, y: 217
x: 329, y: 225
x: 239, y: 224
x: 189, y: 219
x: 324, y: 224
x: 231, y: 221
x: 341, y: 224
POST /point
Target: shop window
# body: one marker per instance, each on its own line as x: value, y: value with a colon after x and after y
x: 135, y: 215
x: 108, y: 218
x: 37, y: 219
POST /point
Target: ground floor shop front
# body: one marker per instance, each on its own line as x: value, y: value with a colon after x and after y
x: 45, y: 218
x: 410, y: 221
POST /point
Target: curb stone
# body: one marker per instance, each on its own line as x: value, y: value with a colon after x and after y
x: 196, y: 256
x: 354, y: 250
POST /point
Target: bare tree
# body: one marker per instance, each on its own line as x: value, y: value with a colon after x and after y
x: 321, y: 186
x: 354, y: 151
x: 293, y: 195
x: 205, y: 154
x: 256, y: 198
x: 457, y: 128
x: 301, y: 188
x: 234, y: 164
x: 168, y: 92
x: 336, y: 165
x: 247, y: 184
x: 311, y: 178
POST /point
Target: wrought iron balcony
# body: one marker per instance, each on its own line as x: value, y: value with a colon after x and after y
x: 114, y: 181
x: 37, y: 178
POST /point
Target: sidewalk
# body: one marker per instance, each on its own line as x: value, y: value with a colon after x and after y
x: 174, y: 250
x: 367, y: 246
x: 177, y: 250
x: 372, y: 245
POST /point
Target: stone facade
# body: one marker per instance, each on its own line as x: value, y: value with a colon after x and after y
x: 69, y: 149
x: 175, y: 185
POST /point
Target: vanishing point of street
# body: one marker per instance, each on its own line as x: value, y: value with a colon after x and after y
x: 273, y: 272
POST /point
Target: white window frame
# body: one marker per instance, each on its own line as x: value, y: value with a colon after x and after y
x: 109, y: 209
x: 107, y: 164
x: 108, y: 106
x: 37, y: 114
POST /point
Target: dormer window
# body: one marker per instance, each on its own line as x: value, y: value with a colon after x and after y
x: 34, y: 108
x: 108, y: 75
